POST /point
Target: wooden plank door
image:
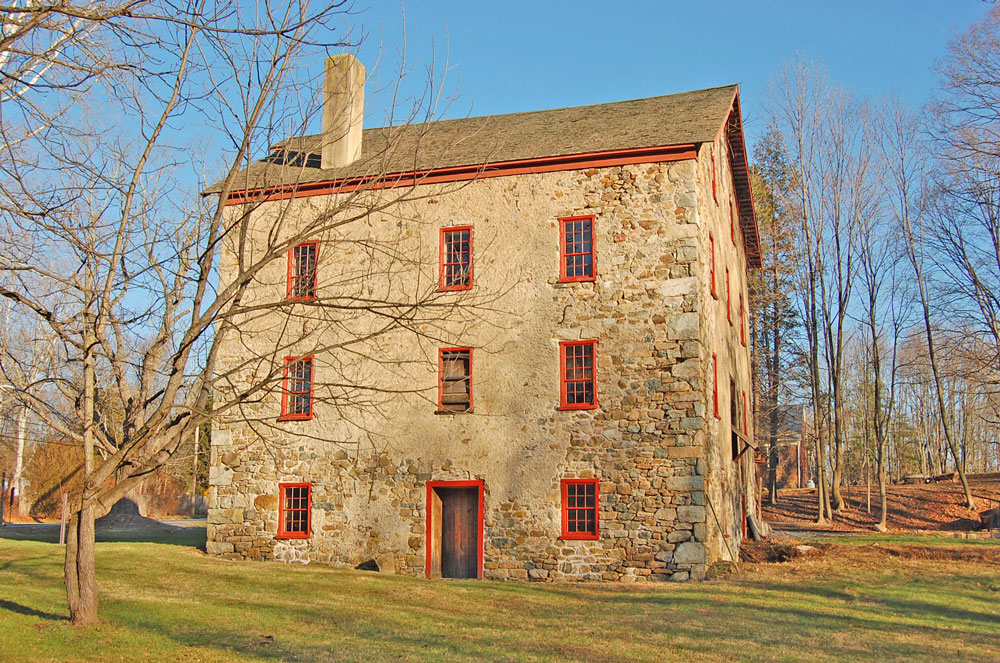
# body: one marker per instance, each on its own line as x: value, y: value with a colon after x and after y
x: 459, y: 532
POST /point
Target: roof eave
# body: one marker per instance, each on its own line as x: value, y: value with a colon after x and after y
x: 733, y: 127
x: 660, y: 153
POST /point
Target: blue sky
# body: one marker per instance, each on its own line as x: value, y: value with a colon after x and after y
x: 516, y: 56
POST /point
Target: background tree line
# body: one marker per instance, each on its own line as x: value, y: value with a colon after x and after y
x: 878, y: 304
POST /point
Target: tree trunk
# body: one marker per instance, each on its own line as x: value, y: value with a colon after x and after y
x: 883, y: 517
x: 80, y: 569
x: 836, y: 498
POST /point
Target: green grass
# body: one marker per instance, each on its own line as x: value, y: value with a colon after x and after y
x: 171, y: 603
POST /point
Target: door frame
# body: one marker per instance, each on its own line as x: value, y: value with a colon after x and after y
x: 473, y: 483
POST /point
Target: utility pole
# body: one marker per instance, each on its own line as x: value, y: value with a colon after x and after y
x: 17, y: 481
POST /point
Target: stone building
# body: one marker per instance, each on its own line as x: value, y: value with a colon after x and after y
x: 590, y: 421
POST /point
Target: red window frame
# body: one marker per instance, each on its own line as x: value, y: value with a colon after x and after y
x: 571, y: 376
x: 732, y: 222
x: 743, y: 327
x: 729, y: 300
x: 715, y: 385
x: 288, y: 388
x: 284, y: 510
x: 715, y: 191
x: 746, y: 427
x: 711, y: 248
x: 566, y: 254
x: 442, y: 379
x: 572, y: 510
x: 304, y: 281
x: 457, y: 259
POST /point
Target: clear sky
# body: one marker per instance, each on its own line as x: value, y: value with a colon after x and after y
x: 517, y: 56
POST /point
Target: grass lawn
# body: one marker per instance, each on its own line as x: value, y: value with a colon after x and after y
x: 172, y: 603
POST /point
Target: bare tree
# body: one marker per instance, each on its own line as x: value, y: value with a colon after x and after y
x: 797, y: 118
x: 907, y: 168
x: 109, y: 244
x: 824, y: 131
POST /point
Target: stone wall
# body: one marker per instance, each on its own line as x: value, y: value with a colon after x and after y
x: 730, y: 484
x: 652, y: 442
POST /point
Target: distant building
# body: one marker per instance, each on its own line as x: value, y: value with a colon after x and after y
x: 603, y: 434
x: 791, y: 458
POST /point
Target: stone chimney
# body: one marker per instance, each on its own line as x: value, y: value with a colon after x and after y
x: 343, y: 110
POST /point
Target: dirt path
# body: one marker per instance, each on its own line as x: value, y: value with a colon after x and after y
x: 936, y: 507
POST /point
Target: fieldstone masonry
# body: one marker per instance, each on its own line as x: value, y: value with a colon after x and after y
x: 667, y: 484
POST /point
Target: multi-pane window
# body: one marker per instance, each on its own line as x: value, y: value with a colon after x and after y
x: 580, y: 506
x: 732, y: 222
x: 576, y: 248
x: 715, y: 385
x: 293, y: 510
x: 297, y: 388
x: 715, y: 189
x: 302, y: 271
x: 743, y: 327
x: 733, y: 417
x: 579, y: 374
x: 711, y: 265
x: 746, y: 418
x: 455, y: 380
x: 456, y: 258
x: 729, y: 300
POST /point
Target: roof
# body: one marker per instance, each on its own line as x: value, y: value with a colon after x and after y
x: 475, y: 144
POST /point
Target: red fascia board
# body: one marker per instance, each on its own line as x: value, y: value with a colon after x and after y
x: 747, y: 226
x: 469, y: 172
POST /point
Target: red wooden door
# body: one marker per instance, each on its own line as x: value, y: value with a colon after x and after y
x: 459, y: 532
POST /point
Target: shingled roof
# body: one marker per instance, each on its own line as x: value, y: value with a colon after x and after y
x: 391, y: 153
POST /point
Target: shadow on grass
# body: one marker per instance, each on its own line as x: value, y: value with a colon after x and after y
x: 192, y: 537
x: 412, y: 629
x: 10, y: 606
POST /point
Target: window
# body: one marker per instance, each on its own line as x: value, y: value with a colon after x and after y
x: 711, y: 265
x: 746, y: 426
x: 455, y: 380
x: 580, y: 506
x: 715, y: 194
x: 733, y: 417
x: 715, y: 385
x: 294, y: 521
x: 297, y: 389
x: 729, y: 300
x: 302, y: 271
x: 456, y: 258
x: 579, y: 375
x: 732, y: 222
x: 743, y: 328
x: 576, y: 249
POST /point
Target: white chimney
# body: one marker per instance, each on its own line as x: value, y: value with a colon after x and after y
x: 343, y: 110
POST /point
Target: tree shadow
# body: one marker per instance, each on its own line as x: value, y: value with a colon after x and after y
x: 192, y: 537
x: 11, y: 606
